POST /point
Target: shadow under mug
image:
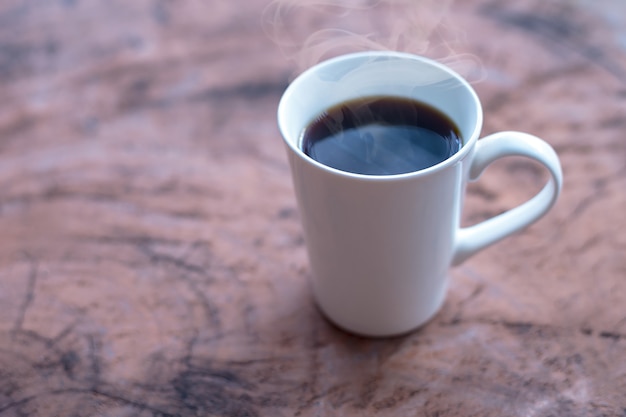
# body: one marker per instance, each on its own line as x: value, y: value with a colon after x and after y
x: 380, y: 246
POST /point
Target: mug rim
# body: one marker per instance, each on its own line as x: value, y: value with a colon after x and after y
x: 468, y: 143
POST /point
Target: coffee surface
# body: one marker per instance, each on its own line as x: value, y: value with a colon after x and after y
x: 381, y: 136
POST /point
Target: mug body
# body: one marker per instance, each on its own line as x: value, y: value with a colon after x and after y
x: 379, y: 246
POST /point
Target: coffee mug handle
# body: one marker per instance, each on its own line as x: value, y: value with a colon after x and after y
x: 470, y: 240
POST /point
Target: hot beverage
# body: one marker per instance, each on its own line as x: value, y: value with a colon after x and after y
x: 381, y: 136
x: 380, y: 244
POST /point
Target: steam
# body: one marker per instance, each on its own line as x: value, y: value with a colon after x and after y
x: 309, y: 31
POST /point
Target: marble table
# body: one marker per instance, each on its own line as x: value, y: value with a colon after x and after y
x: 151, y: 257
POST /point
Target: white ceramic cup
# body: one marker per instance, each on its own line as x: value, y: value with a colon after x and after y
x: 380, y: 246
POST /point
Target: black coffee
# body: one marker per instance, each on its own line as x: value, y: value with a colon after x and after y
x: 381, y: 136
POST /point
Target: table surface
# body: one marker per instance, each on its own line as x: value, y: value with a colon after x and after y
x: 151, y: 257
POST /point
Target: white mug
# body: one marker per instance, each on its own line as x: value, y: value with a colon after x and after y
x: 380, y: 246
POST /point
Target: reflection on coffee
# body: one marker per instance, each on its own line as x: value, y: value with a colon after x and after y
x: 381, y: 136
